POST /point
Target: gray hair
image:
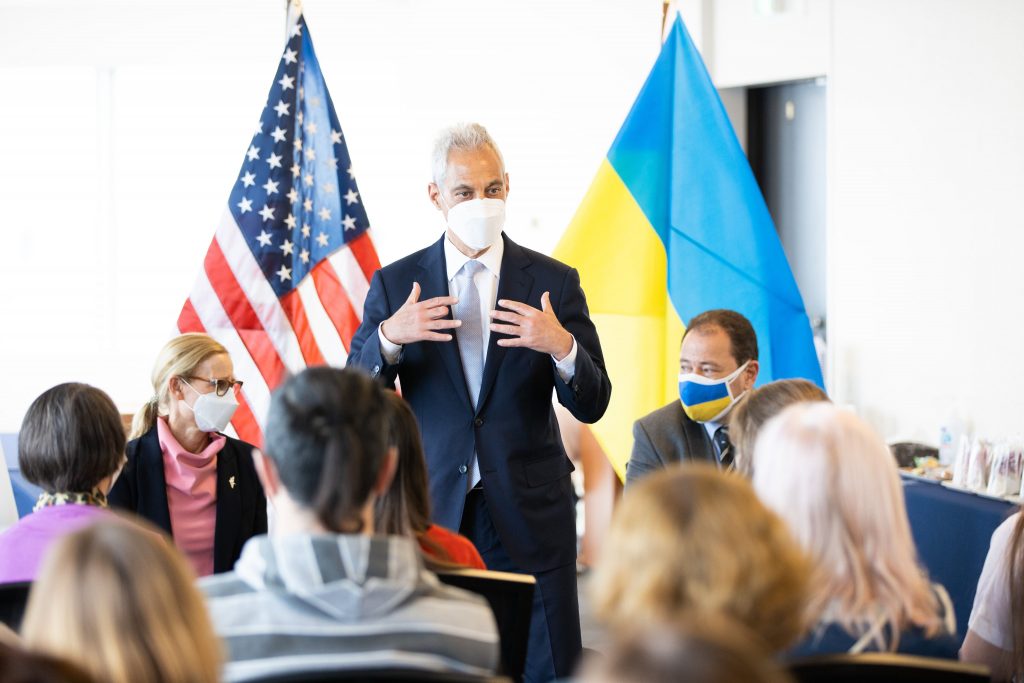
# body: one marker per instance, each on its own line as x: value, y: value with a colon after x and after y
x: 462, y: 137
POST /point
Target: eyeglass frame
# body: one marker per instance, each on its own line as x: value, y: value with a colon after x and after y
x: 235, y: 384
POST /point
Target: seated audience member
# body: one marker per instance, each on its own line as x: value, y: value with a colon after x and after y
x: 20, y: 666
x: 712, y: 650
x: 71, y: 444
x: 717, y: 367
x: 761, y: 405
x: 182, y: 474
x: 118, y: 600
x: 404, y: 509
x: 368, y: 598
x: 692, y: 541
x: 995, y: 631
x: 834, y: 481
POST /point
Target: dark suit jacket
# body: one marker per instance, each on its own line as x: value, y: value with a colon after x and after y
x: 666, y: 436
x: 241, y: 509
x: 523, y: 466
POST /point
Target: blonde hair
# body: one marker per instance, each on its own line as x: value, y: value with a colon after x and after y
x: 693, y: 541
x: 758, y: 407
x: 179, y: 357
x: 117, y: 599
x: 834, y: 481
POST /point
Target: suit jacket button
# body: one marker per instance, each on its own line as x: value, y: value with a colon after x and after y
x: 463, y: 469
x: 478, y: 422
x: 376, y: 370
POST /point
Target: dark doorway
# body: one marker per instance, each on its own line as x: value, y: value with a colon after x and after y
x: 786, y: 148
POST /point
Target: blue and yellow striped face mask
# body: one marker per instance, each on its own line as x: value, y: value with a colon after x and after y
x: 705, y: 399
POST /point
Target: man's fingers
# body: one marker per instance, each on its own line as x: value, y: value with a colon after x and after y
x: 443, y: 324
x: 514, y: 330
x: 516, y: 306
x: 545, y: 302
x: 511, y: 341
x: 414, y: 295
x: 437, y: 312
x: 440, y: 301
x: 436, y: 336
x: 506, y: 316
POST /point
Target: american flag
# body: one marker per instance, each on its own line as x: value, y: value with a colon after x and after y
x: 283, y: 282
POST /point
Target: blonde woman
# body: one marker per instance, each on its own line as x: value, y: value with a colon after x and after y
x: 183, y: 474
x: 834, y: 481
x: 120, y: 602
x: 692, y: 541
x: 761, y: 405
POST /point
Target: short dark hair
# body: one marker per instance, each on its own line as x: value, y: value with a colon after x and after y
x: 71, y: 439
x: 741, y: 333
x: 327, y: 432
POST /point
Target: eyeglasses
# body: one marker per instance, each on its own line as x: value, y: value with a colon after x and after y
x: 221, y: 386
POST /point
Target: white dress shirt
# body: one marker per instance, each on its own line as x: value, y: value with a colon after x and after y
x: 486, y: 281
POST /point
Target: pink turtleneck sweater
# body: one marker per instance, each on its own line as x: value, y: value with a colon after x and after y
x: 191, y: 495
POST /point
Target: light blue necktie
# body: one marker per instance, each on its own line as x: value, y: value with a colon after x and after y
x: 470, y: 334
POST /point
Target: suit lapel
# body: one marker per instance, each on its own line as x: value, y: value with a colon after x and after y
x: 434, y: 282
x: 152, y: 500
x: 228, y: 525
x: 513, y: 284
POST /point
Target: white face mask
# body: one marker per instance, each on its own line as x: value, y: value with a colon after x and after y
x: 213, y: 412
x: 477, y: 222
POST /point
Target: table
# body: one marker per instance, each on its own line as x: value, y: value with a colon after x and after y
x: 952, y: 529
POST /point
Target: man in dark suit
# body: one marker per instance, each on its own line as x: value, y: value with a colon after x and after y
x: 717, y: 367
x: 480, y: 331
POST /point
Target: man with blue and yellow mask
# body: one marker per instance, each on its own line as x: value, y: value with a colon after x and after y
x: 717, y: 367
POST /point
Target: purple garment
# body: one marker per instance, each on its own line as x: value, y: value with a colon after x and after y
x: 23, y: 546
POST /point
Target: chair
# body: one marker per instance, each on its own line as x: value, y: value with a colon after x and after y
x: 511, y: 600
x: 376, y: 676
x: 13, y: 598
x: 885, y: 668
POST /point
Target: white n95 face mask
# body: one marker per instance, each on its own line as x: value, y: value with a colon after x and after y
x: 213, y: 412
x: 477, y: 222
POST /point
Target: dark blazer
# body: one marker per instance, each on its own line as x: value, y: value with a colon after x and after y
x: 524, y: 468
x: 666, y: 436
x: 241, y: 509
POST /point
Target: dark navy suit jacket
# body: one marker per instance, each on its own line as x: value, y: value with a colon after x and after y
x: 241, y: 505
x: 524, y: 468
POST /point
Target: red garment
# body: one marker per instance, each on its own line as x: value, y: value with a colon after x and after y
x: 459, y: 548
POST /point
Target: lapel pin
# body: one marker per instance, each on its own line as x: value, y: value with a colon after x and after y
x: 231, y: 482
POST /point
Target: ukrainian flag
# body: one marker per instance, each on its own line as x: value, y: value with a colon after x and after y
x: 675, y: 224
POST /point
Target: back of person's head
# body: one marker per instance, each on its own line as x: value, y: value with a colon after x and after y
x: 405, y: 508
x: 327, y: 435
x: 713, y: 650
x: 692, y: 540
x: 21, y: 666
x: 762, y: 404
x: 178, y: 358
x: 830, y: 476
x: 117, y: 599
x: 71, y: 439
x: 741, y: 333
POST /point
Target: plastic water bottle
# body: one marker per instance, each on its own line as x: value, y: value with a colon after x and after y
x: 949, y: 438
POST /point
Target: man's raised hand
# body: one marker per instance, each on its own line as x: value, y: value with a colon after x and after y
x: 420, y: 320
x: 533, y: 329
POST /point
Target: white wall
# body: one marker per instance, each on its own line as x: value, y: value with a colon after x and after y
x: 926, y: 170
x: 927, y: 232
x: 123, y: 125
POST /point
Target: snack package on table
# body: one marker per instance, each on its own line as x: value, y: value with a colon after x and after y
x: 978, y: 465
x: 962, y: 461
x: 1005, y: 474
